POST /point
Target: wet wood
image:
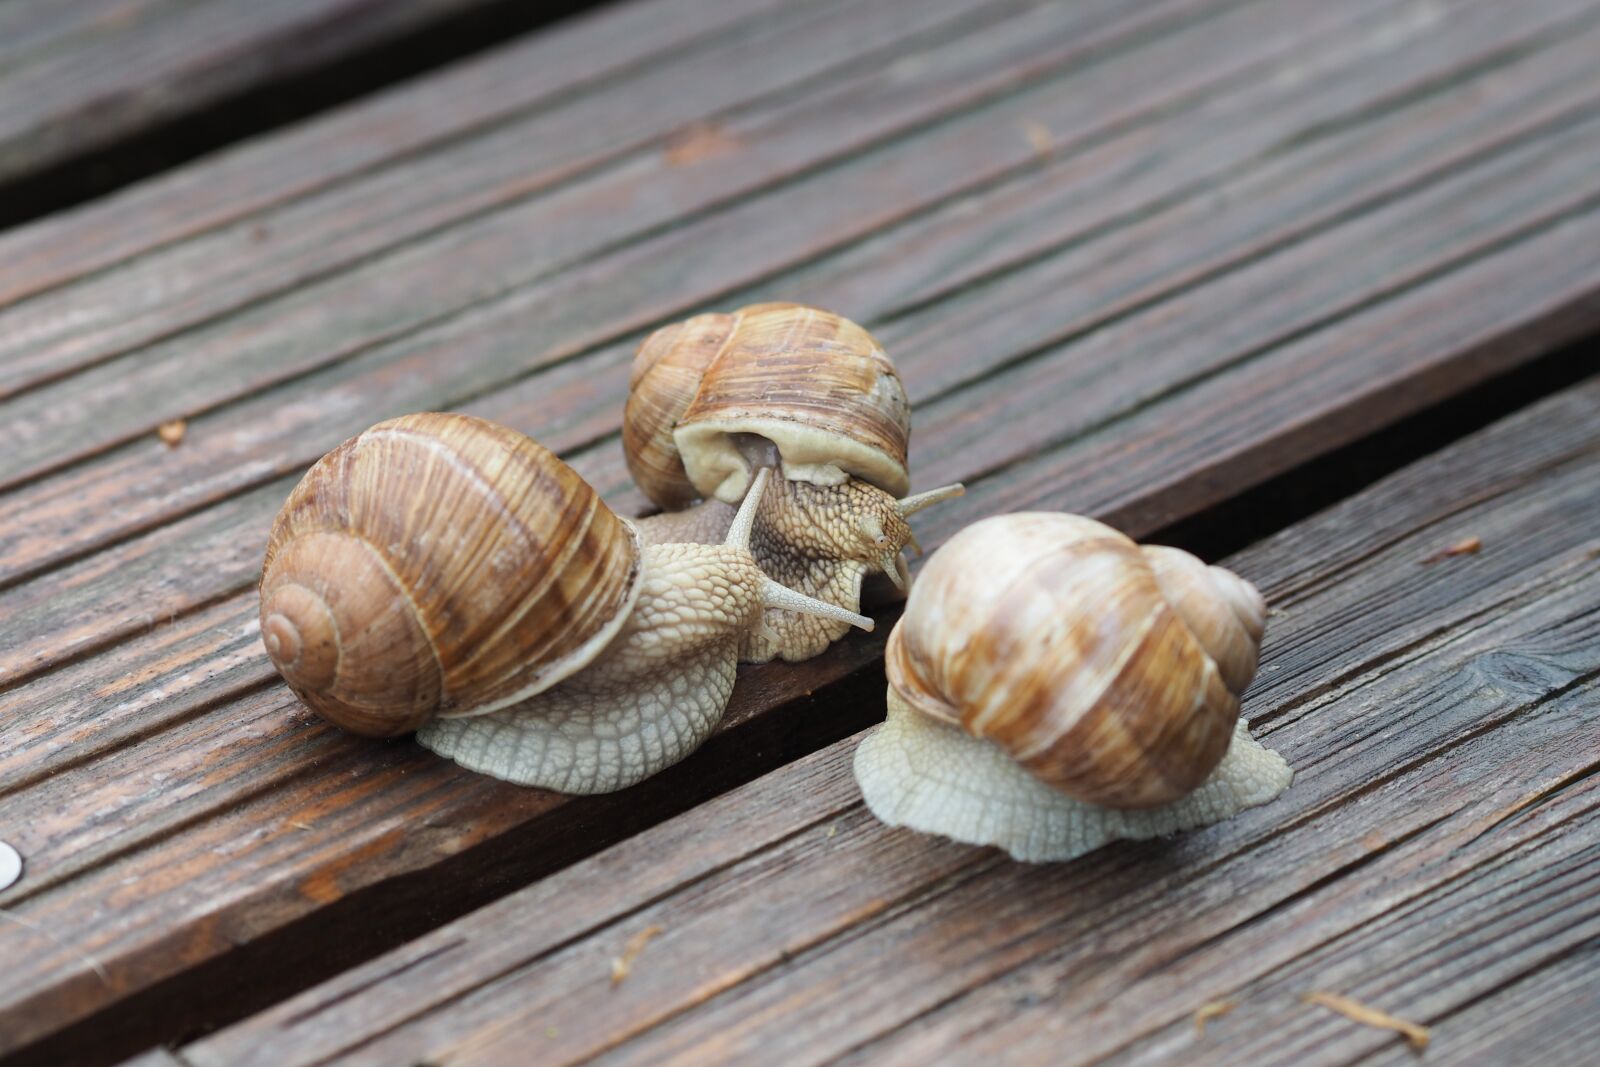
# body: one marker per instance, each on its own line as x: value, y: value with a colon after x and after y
x: 417, y: 117
x: 1222, y: 261
x: 485, y: 183
x: 1438, y: 843
x: 573, y: 312
x: 80, y: 76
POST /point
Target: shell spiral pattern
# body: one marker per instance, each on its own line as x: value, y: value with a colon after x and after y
x: 440, y: 565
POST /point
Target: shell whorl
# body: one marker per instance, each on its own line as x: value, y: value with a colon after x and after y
x: 440, y: 565
x: 815, y: 384
x: 1109, y: 671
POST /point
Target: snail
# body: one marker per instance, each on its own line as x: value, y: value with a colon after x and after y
x: 1053, y: 686
x: 444, y: 574
x: 716, y: 397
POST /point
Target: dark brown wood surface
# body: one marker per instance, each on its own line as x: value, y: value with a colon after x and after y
x: 1438, y: 845
x: 78, y: 75
x: 1130, y: 259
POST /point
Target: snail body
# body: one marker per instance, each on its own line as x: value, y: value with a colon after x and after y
x: 718, y: 396
x: 443, y: 574
x: 1053, y: 685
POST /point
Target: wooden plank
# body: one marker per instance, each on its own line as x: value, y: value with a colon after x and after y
x: 412, y: 118
x: 1550, y: 1016
x: 1440, y: 836
x: 144, y: 484
x: 88, y: 75
x: 133, y: 579
x: 459, y: 280
x: 178, y: 844
x: 196, y: 829
x: 831, y: 48
x: 1522, y: 904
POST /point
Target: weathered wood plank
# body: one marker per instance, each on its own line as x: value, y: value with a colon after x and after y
x: 87, y: 75
x: 138, y: 583
x: 318, y: 764
x: 486, y: 184
x: 1517, y: 904
x: 144, y: 484
x: 1445, y: 763
x: 477, y: 276
x: 402, y: 789
x: 1551, y: 1016
x: 584, y: 51
x: 175, y: 842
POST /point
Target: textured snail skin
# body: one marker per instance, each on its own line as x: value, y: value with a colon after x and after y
x: 655, y: 693
x: 933, y: 778
x: 1053, y: 685
x: 445, y: 574
x: 713, y: 397
x: 819, y: 540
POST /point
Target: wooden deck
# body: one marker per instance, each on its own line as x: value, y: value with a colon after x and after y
x: 1311, y: 286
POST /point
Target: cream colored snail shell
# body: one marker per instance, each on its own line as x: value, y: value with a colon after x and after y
x: 815, y: 384
x: 717, y: 396
x: 1053, y: 685
x: 444, y: 574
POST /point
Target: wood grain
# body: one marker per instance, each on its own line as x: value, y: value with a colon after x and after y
x: 481, y: 276
x: 198, y: 802
x: 142, y: 582
x: 75, y: 77
x: 1300, y: 245
x: 346, y: 141
x: 485, y: 184
x: 1439, y: 839
x: 145, y: 485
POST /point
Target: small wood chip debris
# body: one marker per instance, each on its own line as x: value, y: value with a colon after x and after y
x: 171, y: 432
x: 1214, y: 1010
x: 1468, y: 546
x: 622, y: 966
x: 1038, y: 135
x: 10, y: 866
x: 1354, y: 1010
x: 697, y: 141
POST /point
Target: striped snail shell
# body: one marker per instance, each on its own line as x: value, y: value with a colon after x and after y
x: 814, y: 384
x: 440, y: 565
x: 720, y: 395
x: 1086, y: 687
x: 442, y: 574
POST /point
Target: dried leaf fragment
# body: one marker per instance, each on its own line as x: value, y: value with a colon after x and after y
x: 697, y: 141
x: 1354, y: 1010
x: 171, y: 432
x: 1038, y: 135
x: 622, y: 966
x: 1469, y: 546
x: 1216, y: 1009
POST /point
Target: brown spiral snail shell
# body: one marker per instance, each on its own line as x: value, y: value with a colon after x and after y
x: 719, y: 395
x: 1052, y: 685
x: 445, y: 574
